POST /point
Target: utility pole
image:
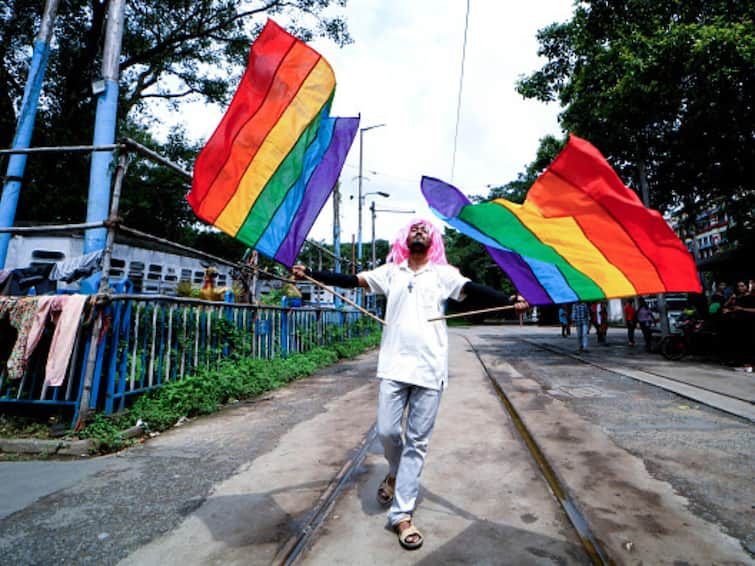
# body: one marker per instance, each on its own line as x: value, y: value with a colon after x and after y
x: 660, y: 299
x: 336, y: 236
x: 360, y: 201
x: 372, y: 213
x: 337, y: 227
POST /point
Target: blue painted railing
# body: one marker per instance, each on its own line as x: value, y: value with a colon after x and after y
x: 147, y: 341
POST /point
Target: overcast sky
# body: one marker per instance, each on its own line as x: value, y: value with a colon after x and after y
x: 403, y: 70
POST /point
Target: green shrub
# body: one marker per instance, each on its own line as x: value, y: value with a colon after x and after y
x: 236, y: 379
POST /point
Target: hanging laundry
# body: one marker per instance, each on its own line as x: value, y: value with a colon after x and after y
x: 47, y: 307
x: 20, y: 312
x: 21, y: 280
x: 66, y: 331
x: 77, y: 267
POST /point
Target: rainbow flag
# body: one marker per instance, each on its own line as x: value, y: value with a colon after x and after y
x: 580, y: 234
x: 276, y: 155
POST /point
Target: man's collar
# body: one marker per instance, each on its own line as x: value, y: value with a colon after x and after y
x: 405, y: 265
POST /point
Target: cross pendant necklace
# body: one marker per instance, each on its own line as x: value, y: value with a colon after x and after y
x: 411, y: 286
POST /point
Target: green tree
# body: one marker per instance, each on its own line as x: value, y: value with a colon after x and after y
x: 173, y: 51
x: 664, y: 89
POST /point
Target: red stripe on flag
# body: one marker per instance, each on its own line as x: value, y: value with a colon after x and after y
x: 582, y: 165
x: 266, y: 55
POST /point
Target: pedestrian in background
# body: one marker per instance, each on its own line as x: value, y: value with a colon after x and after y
x: 719, y: 295
x: 739, y: 326
x: 630, y: 318
x: 646, y: 321
x: 599, y: 318
x: 563, y: 318
x: 580, y: 314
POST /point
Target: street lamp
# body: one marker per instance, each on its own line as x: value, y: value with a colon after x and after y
x: 361, y: 198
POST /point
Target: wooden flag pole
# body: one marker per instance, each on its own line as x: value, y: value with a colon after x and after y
x: 344, y: 299
x: 467, y: 313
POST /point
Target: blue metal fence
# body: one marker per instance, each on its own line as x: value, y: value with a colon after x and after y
x: 146, y: 341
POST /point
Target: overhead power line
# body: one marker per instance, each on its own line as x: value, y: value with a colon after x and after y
x: 461, y: 84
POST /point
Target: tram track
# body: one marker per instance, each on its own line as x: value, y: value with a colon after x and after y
x: 558, y: 488
x: 732, y: 404
x: 292, y: 549
x: 622, y: 512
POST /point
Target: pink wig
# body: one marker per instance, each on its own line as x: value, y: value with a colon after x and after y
x: 400, y: 251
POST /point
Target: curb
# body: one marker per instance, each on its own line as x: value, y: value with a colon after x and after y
x: 81, y: 448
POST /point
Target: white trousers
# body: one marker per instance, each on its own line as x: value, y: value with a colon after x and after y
x: 405, y: 452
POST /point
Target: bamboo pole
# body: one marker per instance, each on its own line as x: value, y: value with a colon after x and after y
x: 51, y: 228
x: 342, y: 297
x: 63, y: 148
x: 468, y: 313
x: 86, y: 390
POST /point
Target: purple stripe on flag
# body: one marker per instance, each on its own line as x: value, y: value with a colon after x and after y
x: 318, y: 189
x: 451, y: 200
x: 521, y: 276
x: 447, y: 201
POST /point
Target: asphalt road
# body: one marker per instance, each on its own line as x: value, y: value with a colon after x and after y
x: 661, y: 478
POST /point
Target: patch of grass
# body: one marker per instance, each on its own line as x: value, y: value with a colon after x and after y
x: 206, y: 392
x: 22, y: 427
x: 106, y: 431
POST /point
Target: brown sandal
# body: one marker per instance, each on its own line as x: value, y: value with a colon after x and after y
x: 408, y: 532
x: 385, y: 491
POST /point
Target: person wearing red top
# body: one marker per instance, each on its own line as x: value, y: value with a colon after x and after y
x: 630, y: 317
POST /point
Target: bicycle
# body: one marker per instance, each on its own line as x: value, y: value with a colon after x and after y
x: 694, y: 337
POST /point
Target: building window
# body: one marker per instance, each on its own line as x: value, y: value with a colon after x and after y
x: 48, y: 256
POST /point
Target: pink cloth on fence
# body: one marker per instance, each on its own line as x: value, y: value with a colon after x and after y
x: 64, y: 339
x: 47, y: 305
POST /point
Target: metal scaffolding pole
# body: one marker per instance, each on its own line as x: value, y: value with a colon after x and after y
x: 98, y: 200
x: 25, y: 124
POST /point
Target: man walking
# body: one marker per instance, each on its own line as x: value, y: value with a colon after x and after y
x: 630, y: 318
x: 581, y: 316
x: 413, y: 360
x: 646, y: 321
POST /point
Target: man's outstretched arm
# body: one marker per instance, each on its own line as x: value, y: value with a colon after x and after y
x: 481, y: 296
x: 343, y: 280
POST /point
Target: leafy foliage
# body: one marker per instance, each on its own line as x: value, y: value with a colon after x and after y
x: 173, y: 51
x: 665, y: 90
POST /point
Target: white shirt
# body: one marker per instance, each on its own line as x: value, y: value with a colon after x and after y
x: 414, y: 350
